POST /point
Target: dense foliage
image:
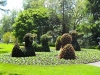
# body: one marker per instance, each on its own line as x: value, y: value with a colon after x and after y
x: 67, y: 52
x: 66, y: 49
x: 66, y: 39
x: 94, y: 8
x: 28, y: 49
x: 58, y: 43
x: 31, y: 21
x: 44, y: 41
x: 74, y: 42
x: 58, y: 16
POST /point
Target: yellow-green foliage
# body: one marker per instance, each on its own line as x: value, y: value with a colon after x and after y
x: 67, y: 52
x: 58, y: 43
x: 8, y: 37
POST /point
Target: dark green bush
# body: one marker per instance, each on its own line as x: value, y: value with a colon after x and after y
x: 16, y: 51
x: 28, y: 49
x: 66, y: 39
x: 58, y: 43
x: 37, y: 47
x: 67, y: 52
x: 74, y: 42
x: 44, y: 41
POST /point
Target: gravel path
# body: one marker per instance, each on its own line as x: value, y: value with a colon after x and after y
x: 95, y: 64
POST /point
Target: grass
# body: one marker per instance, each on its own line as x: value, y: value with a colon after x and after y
x: 9, y: 69
x: 47, y: 63
x: 5, y: 48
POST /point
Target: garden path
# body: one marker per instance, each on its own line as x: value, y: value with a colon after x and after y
x: 95, y: 64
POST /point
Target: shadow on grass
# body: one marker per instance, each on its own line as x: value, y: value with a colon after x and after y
x: 3, y: 52
x: 1, y: 73
x: 1, y: 48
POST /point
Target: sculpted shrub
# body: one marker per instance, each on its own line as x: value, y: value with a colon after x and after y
x: 28, y: 49
x: 58, y: 43
x: 44, y: 41
x: 74, y: 42
x: 67, y: 52
x: 65, y: 39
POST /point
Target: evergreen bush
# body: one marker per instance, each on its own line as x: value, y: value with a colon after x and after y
x: 44, y: 41
x: 74, y: 42
x: 58, y: 43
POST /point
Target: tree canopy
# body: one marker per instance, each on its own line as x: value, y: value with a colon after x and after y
x: 31, y: 20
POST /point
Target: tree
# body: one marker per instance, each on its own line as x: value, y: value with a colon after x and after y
x: 33, y: 4
x: 6, y: 23
x: 8, y: 20
x: 27, y: 4
x: 94, y: 9
x: 8, y: 37
x: 79, y: 14
x: 3, y: 3
x: 33, y: 21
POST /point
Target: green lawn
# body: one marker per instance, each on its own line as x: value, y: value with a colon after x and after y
x: 8, y: 69
x: 5, y: 48
x: 47, y: 63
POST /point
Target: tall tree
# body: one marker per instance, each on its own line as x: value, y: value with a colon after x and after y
x: 3, y: 3
x: 33, y: 4
x: 6, y: 23
x: 8, y: 20
x: 94, y: 9
x: 33, y: 21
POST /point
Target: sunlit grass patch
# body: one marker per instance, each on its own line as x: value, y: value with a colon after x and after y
x: 10, y: 69
x: 5, y: 48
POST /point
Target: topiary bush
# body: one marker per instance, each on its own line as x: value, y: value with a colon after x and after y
x: 37, y: 47
x: 67, y: 52
x: 28, y: 49
x: 65, y: 39
x: 16, y: 51
x: 74, y: 42
x: 58, y: 43
x: 44, y: 41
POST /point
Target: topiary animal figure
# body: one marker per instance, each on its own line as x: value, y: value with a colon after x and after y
x: 58, y: 43
x: 44, y: 41
x: 28, y: 49
x: 28, y: 38
x: 74, y: 42
x: 16, y: 51
x: 67, y: 52
x: 65, y: 39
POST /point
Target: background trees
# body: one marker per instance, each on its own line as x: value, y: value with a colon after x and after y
x: 3, y: 3
x: 94, y: 10
x: 55, y: 17
x: 33, y: 21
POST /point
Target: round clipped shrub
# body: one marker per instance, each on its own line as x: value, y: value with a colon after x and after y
x: 58, y: 43
x: 65, y: 39
x: 74, y: 42
x: 44, y: 41
x: 67, y: 52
